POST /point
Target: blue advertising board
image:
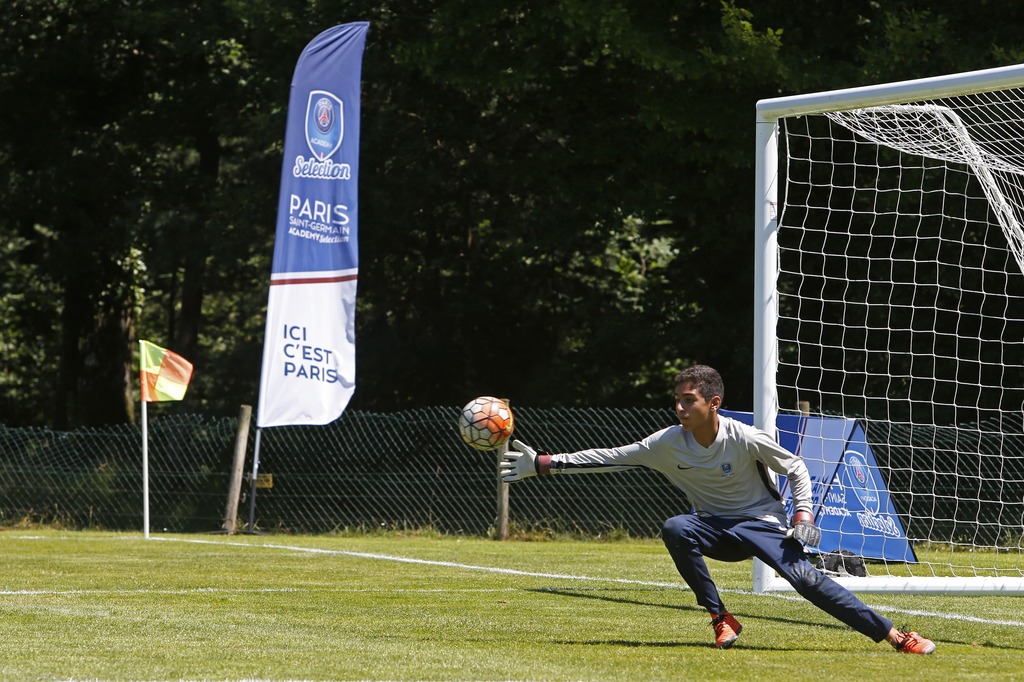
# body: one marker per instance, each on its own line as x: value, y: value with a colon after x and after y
x: 852, y: 505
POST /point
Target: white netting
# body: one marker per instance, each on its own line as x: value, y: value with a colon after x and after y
x: 901, y: 303
x: 982, y: 134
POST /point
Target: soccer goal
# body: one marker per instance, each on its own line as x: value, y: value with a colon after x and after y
x: 890, y: 290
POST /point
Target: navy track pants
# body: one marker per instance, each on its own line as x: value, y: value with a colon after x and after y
x: 689, y: 538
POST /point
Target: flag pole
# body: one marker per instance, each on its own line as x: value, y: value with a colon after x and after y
x: 163, y: 375
x: 145, y: 472
x: 252, y: 490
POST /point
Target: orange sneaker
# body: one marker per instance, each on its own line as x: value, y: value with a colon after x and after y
x: 727, y: 629
x: 913, y: 643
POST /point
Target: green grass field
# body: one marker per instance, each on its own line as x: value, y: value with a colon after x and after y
x: 90, y: 605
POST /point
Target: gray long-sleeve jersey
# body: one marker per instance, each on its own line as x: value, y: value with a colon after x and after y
x: 730, y: 478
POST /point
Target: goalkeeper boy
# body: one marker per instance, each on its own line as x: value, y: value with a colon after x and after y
x: 723, y: 466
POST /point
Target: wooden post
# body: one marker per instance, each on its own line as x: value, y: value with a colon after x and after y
x: 235, y: 483
x: 501, y: 522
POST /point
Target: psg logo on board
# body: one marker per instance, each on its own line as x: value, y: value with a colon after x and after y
x: 325, y: 123
x: 861, y: 481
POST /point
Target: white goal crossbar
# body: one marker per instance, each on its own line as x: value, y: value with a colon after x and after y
x: 972, y: 171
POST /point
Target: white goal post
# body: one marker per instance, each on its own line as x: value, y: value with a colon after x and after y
x: 889, y: 289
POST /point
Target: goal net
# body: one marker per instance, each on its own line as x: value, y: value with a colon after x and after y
x: 890, y: 291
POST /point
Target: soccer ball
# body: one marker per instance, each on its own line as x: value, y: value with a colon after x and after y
x: 486, y: 423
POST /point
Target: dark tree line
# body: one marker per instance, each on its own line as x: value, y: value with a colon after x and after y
x: 556, y: 197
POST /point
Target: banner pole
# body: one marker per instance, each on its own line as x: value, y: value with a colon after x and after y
x: 145, y: 471
x: 255, y: 471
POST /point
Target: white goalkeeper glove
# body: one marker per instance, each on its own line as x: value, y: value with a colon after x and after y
x: 803, y: 529
x: 519, y: 462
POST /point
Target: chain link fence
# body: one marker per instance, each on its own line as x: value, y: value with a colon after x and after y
x: 410, y: 470
x: 403, y: 470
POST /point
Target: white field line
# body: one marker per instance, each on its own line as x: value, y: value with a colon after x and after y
x: 505, y: 571
x: 197, y: 590
x: 580, y: 578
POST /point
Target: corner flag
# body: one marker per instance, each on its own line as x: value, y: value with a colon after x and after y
x: 163, y: 374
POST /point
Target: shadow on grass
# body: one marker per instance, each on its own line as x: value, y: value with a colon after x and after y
x: 600, y: 594
x: 592, y: 593
x: 659, y: 645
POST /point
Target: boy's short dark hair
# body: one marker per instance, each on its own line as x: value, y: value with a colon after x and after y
x: 705, y: 379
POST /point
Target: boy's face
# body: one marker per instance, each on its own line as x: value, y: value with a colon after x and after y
x: 692, y: 409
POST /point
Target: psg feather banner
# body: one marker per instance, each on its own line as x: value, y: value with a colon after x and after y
x: 308, y: 374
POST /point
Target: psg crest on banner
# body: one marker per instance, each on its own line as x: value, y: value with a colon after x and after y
x: 325, y: 123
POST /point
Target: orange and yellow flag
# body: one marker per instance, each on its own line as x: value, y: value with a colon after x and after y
x: 163, y: 374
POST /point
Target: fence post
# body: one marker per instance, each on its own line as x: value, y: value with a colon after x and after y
x: 501, y: 522
x: 235, y: 483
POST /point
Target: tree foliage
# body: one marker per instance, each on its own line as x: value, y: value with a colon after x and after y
x: 555, y: 196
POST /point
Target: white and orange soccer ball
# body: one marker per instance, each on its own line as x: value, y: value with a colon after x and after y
x: 485, y: 423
